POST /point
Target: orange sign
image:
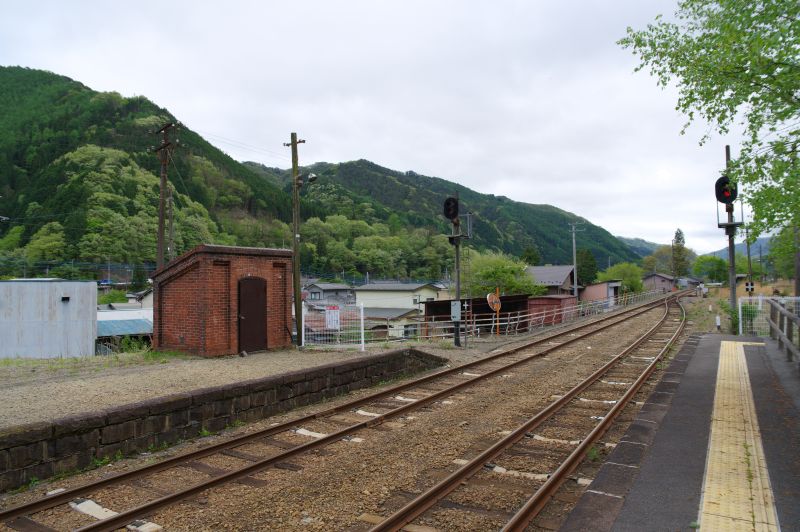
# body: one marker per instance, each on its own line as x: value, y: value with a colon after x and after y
x: 494, y: 301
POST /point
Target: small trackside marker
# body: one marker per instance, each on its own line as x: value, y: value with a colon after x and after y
x: 55, y: 491
x: 144, y: 526
x: 604, y: 493
x: 615, y: 383
x: 367, y: 414
x: 470, y: 374
x: 597, y: 401
x: 377, y: 519
x: 353, y: 439
x: 446, y: 402
x: 551, y: 440
x: 404, y: 399
x: 89, y: 507
x: 304, y: 432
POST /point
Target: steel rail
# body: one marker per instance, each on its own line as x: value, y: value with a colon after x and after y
x: 68, y: 495
x: 429, y: 498
x: 538, y: 500
x: 123, y: 518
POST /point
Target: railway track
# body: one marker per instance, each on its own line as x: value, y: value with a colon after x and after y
x: 283, y: 442
x: 509, y: 483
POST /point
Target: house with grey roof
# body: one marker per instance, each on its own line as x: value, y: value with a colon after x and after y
x: 395, y: 307
x: 557, y: 279
x: 658, y: 281
x: 396, y: 295
x: 329, y: 292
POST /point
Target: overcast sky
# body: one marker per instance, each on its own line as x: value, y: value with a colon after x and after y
x: 532, y: 100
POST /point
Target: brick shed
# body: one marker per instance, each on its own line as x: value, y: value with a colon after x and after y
x: 220, y: 300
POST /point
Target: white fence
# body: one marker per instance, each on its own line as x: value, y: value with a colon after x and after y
x: 338, y: 325
x: 346, y: 326
x: 776, y: 317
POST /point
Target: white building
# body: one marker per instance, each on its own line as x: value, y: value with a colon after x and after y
x: 396, y: 295
x: 47, y: 318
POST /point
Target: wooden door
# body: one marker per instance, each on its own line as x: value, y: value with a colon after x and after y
x: 252, y: 314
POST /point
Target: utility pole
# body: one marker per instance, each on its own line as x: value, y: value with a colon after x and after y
x: 573, y: 226
x: 298, y: 303
x: 163, y: 153
x: 171, y: 241
x: 749, y: 260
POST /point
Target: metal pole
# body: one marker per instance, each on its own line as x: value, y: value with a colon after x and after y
x: 574, y: 265
x: 457, y: 324
x: 730, y: 230
x: 361, y: 312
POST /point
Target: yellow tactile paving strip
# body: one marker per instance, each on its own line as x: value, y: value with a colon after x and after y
x: 736, y: 489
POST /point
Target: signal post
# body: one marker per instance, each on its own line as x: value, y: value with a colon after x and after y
x: 726, y: 193
x: 451, y: 213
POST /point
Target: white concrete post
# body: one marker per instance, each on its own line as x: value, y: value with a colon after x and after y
x: 361, y: 313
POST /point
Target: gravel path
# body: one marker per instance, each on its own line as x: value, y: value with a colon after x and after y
x: 41, y: 392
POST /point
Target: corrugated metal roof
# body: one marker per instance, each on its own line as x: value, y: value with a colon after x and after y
x: 549, y: 275
x: 390, y: 313
x: 329, y: 286
x: 124, y: 328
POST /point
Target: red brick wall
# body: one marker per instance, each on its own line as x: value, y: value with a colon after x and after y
x: 197, y: 297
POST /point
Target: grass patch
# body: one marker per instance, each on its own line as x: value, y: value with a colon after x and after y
x: 95, y: 363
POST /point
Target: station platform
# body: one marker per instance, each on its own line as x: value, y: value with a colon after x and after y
x: 715, y: 447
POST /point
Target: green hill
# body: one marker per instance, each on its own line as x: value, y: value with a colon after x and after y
x: 641, y: 247
x: 79, y: 185
x: 361, y: 189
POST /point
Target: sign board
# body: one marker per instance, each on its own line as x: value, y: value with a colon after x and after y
x: 455, y: 311
x: 494, y: 301
x: 332, y: 317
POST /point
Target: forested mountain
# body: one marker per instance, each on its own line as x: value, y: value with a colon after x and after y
x: 641, y: 247
x: 361, y: 189
x: 79, y: 184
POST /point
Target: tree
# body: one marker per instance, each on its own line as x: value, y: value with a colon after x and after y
x: 680, y: 255
x: 587, y: 266
x: 46, y: 244
x: 737, y: 61
x: 629, y: 273
x: 783, y: 252
x: 496, y: 270
x: 710, y: 268
x: 531, y: 256
x: 659, y: 261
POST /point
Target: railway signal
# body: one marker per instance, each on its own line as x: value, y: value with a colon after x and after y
x: 725, y: 191
x: 451, y: 209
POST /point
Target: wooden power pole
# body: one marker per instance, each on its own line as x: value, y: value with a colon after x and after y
x: 163, y: 154
x: 298, y: 302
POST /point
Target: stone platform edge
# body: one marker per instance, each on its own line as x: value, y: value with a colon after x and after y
x: 42, y: 450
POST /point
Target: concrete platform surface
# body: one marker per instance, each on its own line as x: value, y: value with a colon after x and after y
x: 726, y: 406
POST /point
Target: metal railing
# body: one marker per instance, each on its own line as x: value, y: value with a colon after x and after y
x: 521, y: 322
x: 345, y: 326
